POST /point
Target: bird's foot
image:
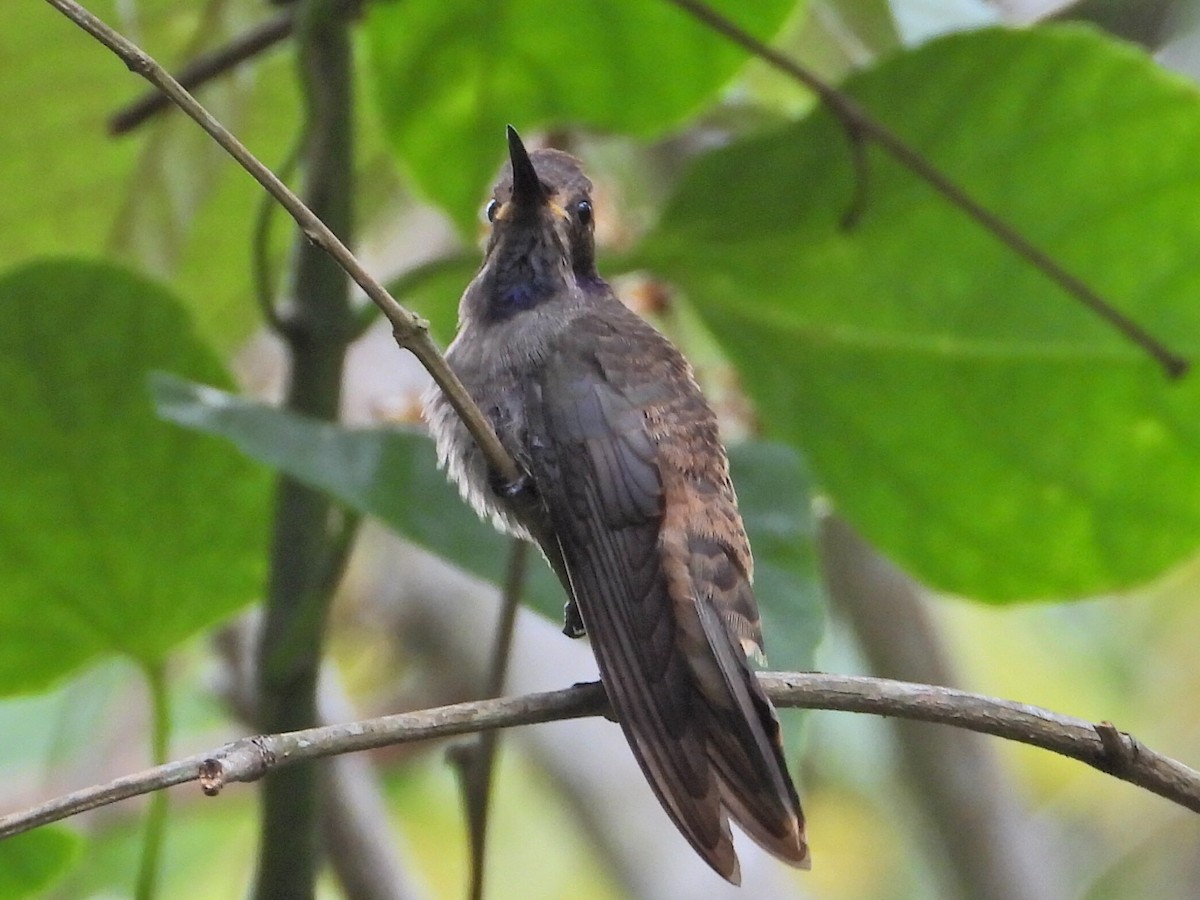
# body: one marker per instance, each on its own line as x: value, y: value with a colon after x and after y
x: 572, y: 621
x: 514, y: 489
x: 606, y: 710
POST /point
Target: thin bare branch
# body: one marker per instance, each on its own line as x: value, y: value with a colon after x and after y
x: 1126, y: 758
x: 476, y: 761
x: 265, y: 287
x: 205, y: 68
x: 411, y: 331
x: 863, y: 126
x: 250, y: 758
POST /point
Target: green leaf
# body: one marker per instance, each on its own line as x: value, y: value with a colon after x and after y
x: 390, y: 474
x: 118, y: 533
x: 33, y: 861
x: 66, y: 84
x: 449, y: 76
x: 972, y: 419
x: 775, y: 497
x: 165, y: 199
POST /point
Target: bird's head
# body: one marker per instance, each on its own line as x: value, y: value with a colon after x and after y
x: 542, y: 242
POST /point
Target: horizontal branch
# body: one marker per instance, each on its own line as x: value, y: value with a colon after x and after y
x: 1101, y: 745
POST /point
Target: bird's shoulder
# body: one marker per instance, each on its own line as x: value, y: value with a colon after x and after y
x: 618, y: 351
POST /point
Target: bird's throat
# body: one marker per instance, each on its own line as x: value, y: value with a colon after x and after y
x: 523, y: 280
x: 506, y: 300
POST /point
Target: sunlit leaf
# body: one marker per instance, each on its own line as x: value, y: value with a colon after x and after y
x: 164, y: 199
x: 119, y: 533
x: 31, y: 862
x: 973, y: 420
x: 449, y: 76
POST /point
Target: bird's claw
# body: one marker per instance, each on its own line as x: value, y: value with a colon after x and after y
x: 510, y: 489
x: 572, y: 621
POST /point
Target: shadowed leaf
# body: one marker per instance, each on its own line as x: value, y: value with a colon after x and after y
x: 390, y: 473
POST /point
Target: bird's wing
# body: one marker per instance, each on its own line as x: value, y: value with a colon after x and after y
x: 606, y: 509
x: 690, y: 707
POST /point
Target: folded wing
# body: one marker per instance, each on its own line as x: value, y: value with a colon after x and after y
x: 672, y: 662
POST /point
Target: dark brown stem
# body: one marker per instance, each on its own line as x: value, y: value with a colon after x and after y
x: 310, y: 536
x: 365, y: 849
x: 477, y: 761
x: 862, y: 180
x: 207, y: 67
x: 862, y: 124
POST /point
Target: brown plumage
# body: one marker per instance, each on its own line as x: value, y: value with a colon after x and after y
x: 628, y: 495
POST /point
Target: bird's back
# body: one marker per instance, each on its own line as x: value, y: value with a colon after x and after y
x: 627, y: 456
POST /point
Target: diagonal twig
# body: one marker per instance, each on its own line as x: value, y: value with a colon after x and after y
x: 863, y: 126
x: 475, y: 761
x: 410, y: 331
x: 217, y: 62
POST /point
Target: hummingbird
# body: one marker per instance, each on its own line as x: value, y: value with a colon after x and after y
x: 625, y: 488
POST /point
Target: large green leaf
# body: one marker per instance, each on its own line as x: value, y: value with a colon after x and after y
x: 66, y: 84
x: 449, y: 76
x: 775, y: 498
x: 118, y: 532
x: 965, y: 413
x: 30, y: 863
x: 165, y: 199
x: 390, y: 473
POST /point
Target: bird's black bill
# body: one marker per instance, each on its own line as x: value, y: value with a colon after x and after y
x: 527, y: 187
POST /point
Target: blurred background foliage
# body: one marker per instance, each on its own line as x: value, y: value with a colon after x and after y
x: 909, y: 373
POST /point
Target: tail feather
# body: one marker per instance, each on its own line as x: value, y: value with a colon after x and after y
x: 746, y: 750
x: 777, y: 827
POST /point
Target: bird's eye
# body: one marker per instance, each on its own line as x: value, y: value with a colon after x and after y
x: 583, y: 212
x: 490, y: 210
